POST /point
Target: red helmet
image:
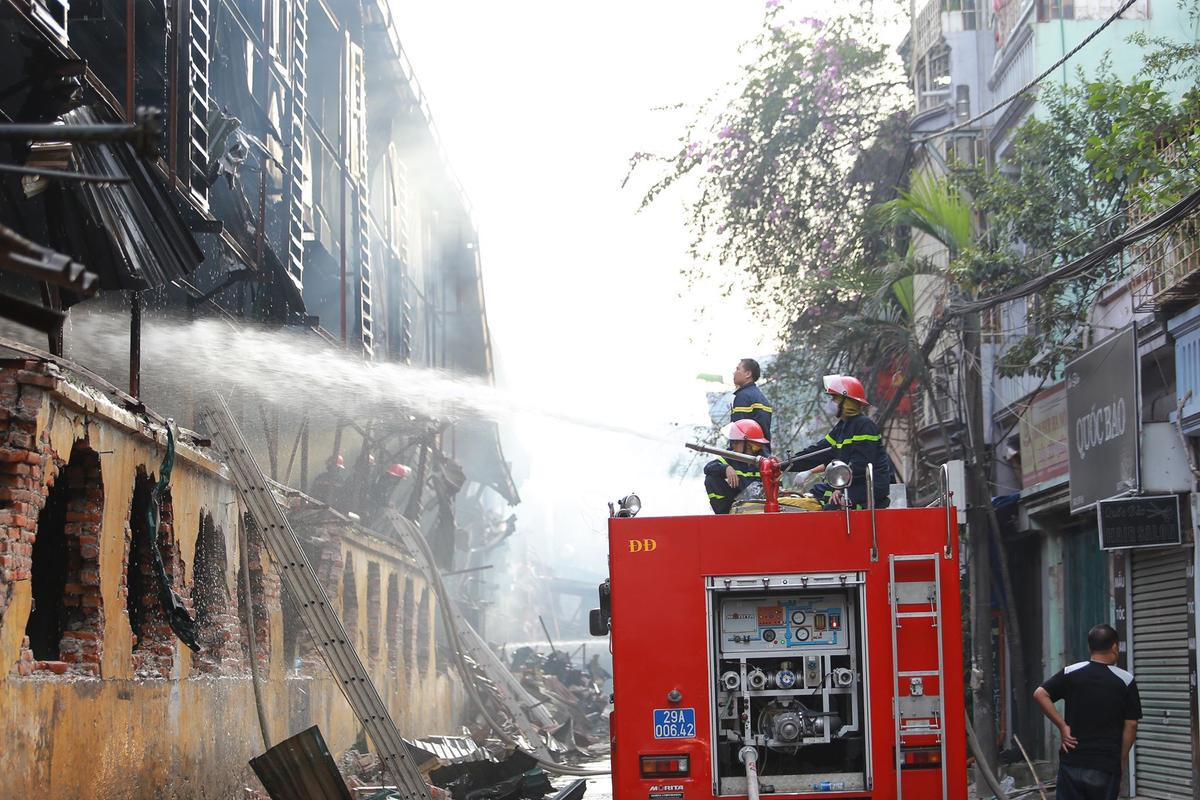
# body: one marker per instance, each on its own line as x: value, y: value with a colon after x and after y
x: 336, y: 462
x: 398, y: 471
x: 845, y: 386
x: 745, y: 430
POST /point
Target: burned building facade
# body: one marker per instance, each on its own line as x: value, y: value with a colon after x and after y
x: 265, y: 163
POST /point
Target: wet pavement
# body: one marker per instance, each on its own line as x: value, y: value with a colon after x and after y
x: 599, y: 788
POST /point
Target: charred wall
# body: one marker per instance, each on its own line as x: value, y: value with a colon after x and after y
x: 97, y: 697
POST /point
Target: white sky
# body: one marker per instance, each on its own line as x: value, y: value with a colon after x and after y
x: 541, y: 104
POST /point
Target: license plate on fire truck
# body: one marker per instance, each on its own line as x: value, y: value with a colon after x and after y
x: 674, y: 723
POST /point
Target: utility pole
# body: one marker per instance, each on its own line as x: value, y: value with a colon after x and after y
x: 978, y: 535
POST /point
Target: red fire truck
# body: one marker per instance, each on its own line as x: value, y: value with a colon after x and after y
x: 797, y: 655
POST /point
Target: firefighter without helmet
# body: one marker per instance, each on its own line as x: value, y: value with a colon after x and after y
x: 745, y: 430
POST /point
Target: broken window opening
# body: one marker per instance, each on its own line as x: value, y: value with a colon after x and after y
x: 408, y: 615
x: 256, y: 556
x: 66, y: 624
x: 423, y: 643
x: 374, y: 608
x: 393, y: 622
x: 218, y: 628
x: 291, y: 634
x: 153, y: 639
x: 350, y: 603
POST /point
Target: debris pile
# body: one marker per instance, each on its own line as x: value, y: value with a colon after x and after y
x: 455, y: 768
x: 573, y: 694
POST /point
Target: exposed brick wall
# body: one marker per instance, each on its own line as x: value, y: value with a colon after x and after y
x: 219, y: 629
x: 83, y: 637
x: 322, y: 544
x: 264, y: 593
x: 26, y: 465
x: 29, y: 469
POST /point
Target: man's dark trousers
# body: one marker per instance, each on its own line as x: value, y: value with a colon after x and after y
x: 1080, y: 783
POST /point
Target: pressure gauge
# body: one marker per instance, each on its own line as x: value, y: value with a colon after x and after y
x: 802, y: 634
x: 768, y: 635
x: 798, y: 617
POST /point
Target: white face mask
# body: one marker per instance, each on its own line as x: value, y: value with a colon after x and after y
x: 830, y: 407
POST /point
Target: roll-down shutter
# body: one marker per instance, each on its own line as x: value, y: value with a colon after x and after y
x: 1160, y: 667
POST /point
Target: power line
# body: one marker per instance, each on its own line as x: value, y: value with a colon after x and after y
x: 1086, y: 262
x: 1116, y: 15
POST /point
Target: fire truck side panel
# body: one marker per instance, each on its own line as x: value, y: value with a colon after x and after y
x: 680, y: 585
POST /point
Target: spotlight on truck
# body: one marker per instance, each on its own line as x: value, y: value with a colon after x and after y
x: 838, y: 474
x: 630, y: 505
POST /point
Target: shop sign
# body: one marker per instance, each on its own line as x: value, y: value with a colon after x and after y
x: 1139, y: 522
x: 1043, y: 432
x: 1102, y: 421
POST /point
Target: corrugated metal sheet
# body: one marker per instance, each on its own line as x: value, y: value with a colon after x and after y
x: 132, y: 234
x: 448, y: 749
x: 301, y: 768
x: 1160, y: 666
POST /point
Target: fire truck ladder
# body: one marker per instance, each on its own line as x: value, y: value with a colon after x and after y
x: 318, y: 613
x: 917, y: 713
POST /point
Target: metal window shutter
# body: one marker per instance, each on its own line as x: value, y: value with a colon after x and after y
x: 1160, y: 666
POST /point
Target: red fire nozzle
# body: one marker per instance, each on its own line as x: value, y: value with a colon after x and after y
x: 770, y: 469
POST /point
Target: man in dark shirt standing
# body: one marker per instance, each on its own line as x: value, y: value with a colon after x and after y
x: 748, y: 399
x: 1099, y: 722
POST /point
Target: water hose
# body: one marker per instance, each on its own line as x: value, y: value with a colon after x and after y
x: 749, y: 757
x: 252, y: 633
x: 176, y: 613
x: 981, y: 765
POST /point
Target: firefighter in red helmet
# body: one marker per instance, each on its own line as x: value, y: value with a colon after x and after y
x: 854, y: 439
x: 723, y: 480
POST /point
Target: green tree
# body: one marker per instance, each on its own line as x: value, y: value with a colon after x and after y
x: 1073, y: 176
x: 813, y: 135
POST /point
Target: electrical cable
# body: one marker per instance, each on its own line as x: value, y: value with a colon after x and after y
x: 452, y: 631
x: 965, y: 123
x: 1080, y: 265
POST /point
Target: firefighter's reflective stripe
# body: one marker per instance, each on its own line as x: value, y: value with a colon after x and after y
x: 755, y: 474
x: 715, y: 496
x: 753, y: 407
x: 862, y: 437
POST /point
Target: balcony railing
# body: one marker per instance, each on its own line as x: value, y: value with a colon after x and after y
x: 1016, y: 64
x: 1166, y: 266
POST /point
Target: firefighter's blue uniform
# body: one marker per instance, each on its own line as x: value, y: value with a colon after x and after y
x: 855, y: 440
x: 749, y: 403
x: 720, y: 494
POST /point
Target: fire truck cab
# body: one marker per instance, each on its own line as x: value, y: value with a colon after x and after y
x: 796, y: 655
